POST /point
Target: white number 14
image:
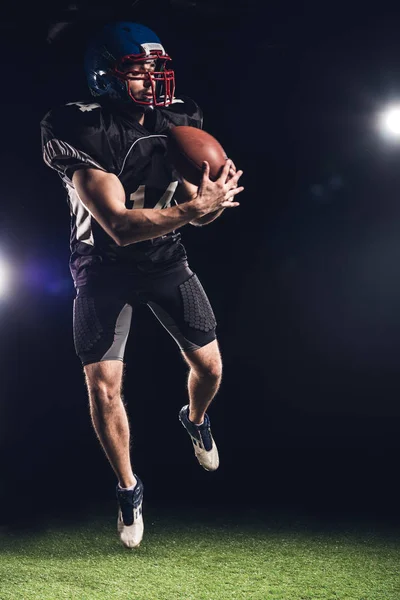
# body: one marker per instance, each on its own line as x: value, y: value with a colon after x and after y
x: 164, y: 202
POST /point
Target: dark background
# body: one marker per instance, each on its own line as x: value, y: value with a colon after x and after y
x: 304, y: 277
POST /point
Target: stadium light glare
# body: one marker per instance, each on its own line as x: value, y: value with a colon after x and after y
x: 5, y: 277
x: 390, y: 122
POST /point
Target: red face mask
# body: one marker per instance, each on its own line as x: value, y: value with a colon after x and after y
x: 161, y: 81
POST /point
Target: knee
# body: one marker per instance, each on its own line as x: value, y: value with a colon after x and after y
x: 103, y: 397
x: 211, y: 370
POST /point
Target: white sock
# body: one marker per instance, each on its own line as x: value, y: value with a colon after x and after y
x: 128, y: 489
x: 197, y: 424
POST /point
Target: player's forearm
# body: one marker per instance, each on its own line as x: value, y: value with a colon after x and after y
x: 207, y: 218
x: 140, y: 224
x: 104, y: 196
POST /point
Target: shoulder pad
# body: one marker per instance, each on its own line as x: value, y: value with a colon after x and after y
x: 82, y: 116
x: 74, y: 135
x: 184, y: 111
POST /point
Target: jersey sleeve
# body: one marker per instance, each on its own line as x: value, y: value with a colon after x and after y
x: 73, y: 138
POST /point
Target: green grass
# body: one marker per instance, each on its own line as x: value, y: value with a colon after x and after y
x: 218, y: 559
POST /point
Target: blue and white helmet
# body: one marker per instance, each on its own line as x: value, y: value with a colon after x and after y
x: 109, y: 55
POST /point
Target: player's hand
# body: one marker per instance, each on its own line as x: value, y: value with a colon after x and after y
x: 216, y: 195
x: 190, y: 190
x: 232, y: 170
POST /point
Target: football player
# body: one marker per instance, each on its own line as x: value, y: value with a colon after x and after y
x: 126, y: 204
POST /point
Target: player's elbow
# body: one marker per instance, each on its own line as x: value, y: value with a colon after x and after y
x: 124, y: 229
x: 118, y: 239
x: 121, y: 234
x: 122, y: 241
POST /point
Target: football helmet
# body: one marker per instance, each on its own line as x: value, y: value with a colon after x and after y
x: 116, y: 48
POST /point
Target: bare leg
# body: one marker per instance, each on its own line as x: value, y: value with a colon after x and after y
x: 204, y: 379
x: 109, y: 418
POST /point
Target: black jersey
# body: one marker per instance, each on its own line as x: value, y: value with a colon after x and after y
x: 81, y: 135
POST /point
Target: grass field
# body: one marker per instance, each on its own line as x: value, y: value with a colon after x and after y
x: 216, y: 558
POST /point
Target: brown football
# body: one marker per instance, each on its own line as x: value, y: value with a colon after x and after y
x: 188, y: 147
